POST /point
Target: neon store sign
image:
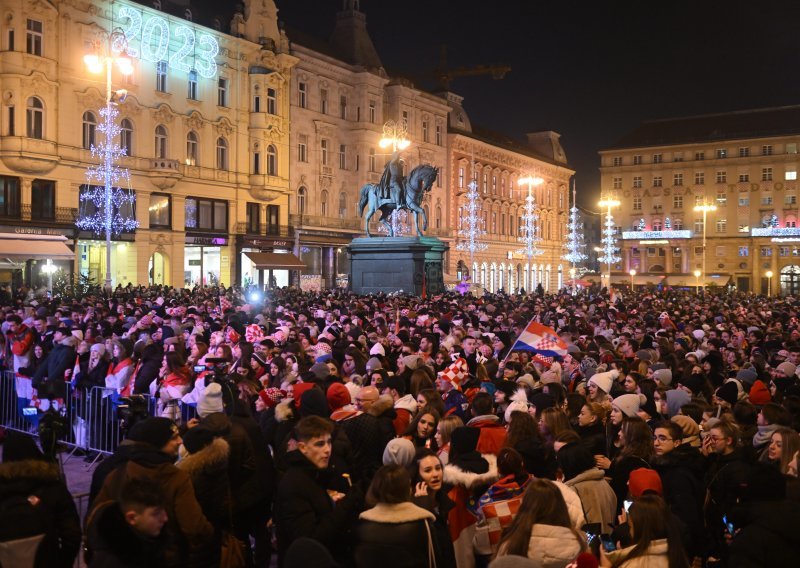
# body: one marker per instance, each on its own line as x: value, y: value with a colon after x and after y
x: 150, y: 37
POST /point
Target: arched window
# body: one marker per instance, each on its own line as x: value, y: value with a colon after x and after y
x: 191, y: 148
x: 492, y: 277
x: 342, y: 205
x: 301, y: 201
x: 438, y: 218
x: 161, y: 142
x: 222, y: 153
x: 89, y: 129
x: 34, y: 116
x: 126, y: 136
x: 560, y: 276
x: 272, y: 160
x: 323, y: 203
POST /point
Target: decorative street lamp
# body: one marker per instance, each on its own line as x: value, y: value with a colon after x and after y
x: 769, y: 276
x: 610, y: 249
x: 697, y: 280
x: 105, y: 199
x: 705, y: 208
x: 49, y: 269
x: 395, y: 136
x: 632, y: 273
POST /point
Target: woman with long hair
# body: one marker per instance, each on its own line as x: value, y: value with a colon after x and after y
x: 552, y: 422
x: 542, y: 529
x: 782, y: 447
x: 592, y: 427
x: 427, y: 484
x: 636, y: 443
x: 597, y: 497
x: 432, y: 399
x: 422, y: 429
x: 444, y: 432
x: 524, y: 436
x: 656, y: 539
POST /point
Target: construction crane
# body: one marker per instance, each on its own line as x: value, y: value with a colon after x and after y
x: 444, y: 75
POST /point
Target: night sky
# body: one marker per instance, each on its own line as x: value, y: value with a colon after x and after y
x: 588, y: 70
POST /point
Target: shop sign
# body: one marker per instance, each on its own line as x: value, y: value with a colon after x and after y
x: 208, y: 241
x: 281, y: 243
x: 36, y: 231
x: 195, y: 262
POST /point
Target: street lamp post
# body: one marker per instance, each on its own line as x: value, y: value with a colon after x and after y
x: 609, y: 250
x: 529, y: 218
x: 49, y: 268
x: 572, y: 273
x: 697, y: 280
x: 769, y: 276
x: 106, y: 54
x: 705, y: 208
x: 632, y: 273
x: 394, y: 136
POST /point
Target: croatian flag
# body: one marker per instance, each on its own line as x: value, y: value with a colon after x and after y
x: 541, y: 340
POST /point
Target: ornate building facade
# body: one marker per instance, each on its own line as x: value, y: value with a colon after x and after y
x: 205, y: 124
x: 341, y: 98
x: 496, y: 165
x: 741, y: 164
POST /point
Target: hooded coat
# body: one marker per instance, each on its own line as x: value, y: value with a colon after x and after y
x: 597, y: 498
x: 49, y: 377
x: 112, y: 543
x: 397, y: 535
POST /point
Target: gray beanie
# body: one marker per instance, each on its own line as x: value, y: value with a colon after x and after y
x: 663, y: 376
x: 320, y: 371
x: 399, y: 452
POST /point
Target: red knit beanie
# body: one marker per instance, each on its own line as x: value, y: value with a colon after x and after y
x: 338, y: 396
x: 644, y: 479
x: 759, y: 394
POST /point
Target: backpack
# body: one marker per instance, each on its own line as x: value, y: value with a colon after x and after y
x: 24, y: 523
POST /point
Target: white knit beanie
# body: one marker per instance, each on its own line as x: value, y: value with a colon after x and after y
x: 629, y: 403
x: 604, y: 381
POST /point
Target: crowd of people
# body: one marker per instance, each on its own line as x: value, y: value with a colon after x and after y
x: 330, y: 429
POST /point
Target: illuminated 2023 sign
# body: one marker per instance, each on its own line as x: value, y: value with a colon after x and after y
x: 153, y: 34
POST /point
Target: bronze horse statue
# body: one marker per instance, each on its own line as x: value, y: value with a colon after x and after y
x: 418, y: 182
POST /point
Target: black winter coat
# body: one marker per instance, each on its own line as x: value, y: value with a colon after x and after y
x: 593, y: 438
x: 40, y: 479
x: 681, y: 473
x: 397, y: 536
x: 619, y: 472
x: 303, y: 507
x: 49, y: 376
x: 770, y: 538
x: 151, y: 360
x: 113, y: 543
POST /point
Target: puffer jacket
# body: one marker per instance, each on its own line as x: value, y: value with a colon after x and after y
x: 598, y: 499
x: 552, y: 546
x: 654, y: 557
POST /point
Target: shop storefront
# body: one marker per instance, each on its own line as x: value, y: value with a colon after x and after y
x: 34, y: 256
x: 266, y: 262
x: 205, y: 261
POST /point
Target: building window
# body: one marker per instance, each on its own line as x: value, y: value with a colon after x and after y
x: 191, y: 149
x: 302, y: 95
x: 253, y: 218
x: 637, y: 203
x: 744, y: 201
x: 744, y: 152
x: 617, y: 183
x: 302, y: 148
x: 405, y: 119
x: 766, y: 150
x: 658, y: 158
x: 698, y: 225
x: 343, y: 107
x: 34, y: 118
x: 637, y: 182
x: 372, y: 112
x: 677, y: 224
x: 791, y: 222
x: 657, y: 181
x: 616, y: 161
x: 699, y: 178
x: 323, y: 203
x: 161, y: 142
x: 323, y: 101
x: 192, y: 94
x: 766, y: 174
x: 744, y: 251
x: 9, y: 194
x: 722, y: 225
x: 657, y: 225
x: 371, y: 159
x: 722, y: 199
x: 301, y: 201
x: 494, y: 185
x: 11, y: 129
x: 425, y: 131
x: 766, y: 251
x: 126, y: 136
x: 460, y: 178
x: 10, y: 40
x: 273, y: 219
x: 160, y: 210
x: 272, y: 160
x: 35, y: 34
x: 161, y: 76
x: 677, y: 202
x: 324, y: 151
x: 677, y: 179
x: 43, y: 200
x: 485, y: 183
x: 744, y: 228
x: 256, y: 101
x: 721, y: 153
x: 89, y: 129
x: 342, y: 205
x: 342, y: 156
x: 699, y: 155
x: 256, y: 160
x: 272, y: 101
x: 744, y: 177
x: 637, y: 160
x: 222, y: 153
x: 766, y: 200
x: 722, y: 177
x: 222, y: 92
x: 790, y: 200
x: 790, y: 175
x: 206, y: 214
x: 783, y: 251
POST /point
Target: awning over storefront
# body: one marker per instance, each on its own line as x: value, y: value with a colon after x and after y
x: 275, y: 260
x: 24, y: 247
x: 689, y: 280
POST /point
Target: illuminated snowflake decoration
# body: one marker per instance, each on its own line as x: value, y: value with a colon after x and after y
x: 610, y: 248
x: 529, y: 237
x: 472, y: 225
x: 574, y: 244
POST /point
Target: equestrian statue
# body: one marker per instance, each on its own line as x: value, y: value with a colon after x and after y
x: 395, y: 192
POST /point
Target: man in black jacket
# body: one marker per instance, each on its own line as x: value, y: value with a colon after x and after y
x: 49, y: 376
x: 304, y: 505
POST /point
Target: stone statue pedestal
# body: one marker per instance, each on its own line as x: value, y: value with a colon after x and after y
x: 391, y: 264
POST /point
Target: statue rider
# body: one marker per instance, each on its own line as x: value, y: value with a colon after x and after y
x: 392, y: 179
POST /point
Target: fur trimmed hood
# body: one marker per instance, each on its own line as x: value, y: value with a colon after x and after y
x: 454, y: 475
x: 396, y: 513
x: 213, y: 457
x: 381, y: 405
x: 285, y: 410
x: 29, y: 469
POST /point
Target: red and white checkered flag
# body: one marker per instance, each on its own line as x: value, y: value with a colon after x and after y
x: 456, y: 373
x: 224, y: 303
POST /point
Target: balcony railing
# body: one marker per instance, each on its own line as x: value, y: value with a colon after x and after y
x: 61, y: 216
x: 269, y: 231
x: 325, y: 222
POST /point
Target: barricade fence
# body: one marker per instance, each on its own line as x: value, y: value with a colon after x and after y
x: 93, y: 420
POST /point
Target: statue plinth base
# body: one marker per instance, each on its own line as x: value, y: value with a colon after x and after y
x: 391, y: 264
